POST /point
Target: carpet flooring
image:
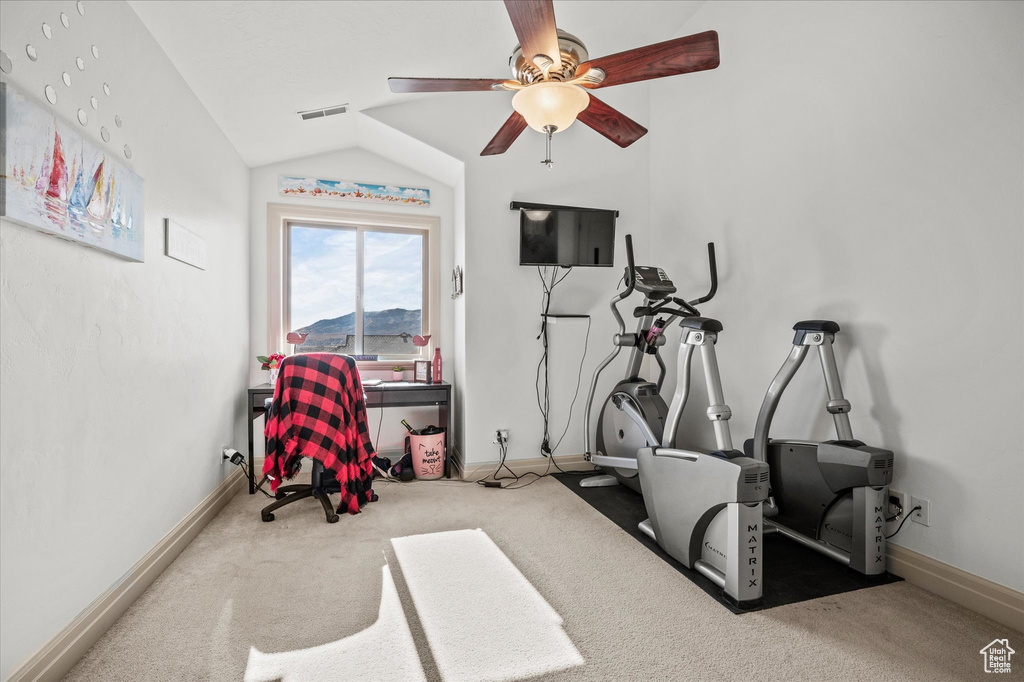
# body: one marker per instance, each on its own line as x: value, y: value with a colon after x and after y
x: 792, y: 572
x: 299, y: 582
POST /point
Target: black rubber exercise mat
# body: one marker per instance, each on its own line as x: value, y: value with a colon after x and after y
x: 792, y: 573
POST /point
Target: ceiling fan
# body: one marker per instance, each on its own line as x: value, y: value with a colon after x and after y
x: 552, y: 73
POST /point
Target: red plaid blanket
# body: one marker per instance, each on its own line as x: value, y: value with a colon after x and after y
x: 318, y: 412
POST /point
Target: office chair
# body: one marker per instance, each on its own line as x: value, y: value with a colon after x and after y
x: 318, y: 411
x: 322, y: 483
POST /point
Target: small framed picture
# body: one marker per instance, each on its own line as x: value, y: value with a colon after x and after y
x: 422, y: 373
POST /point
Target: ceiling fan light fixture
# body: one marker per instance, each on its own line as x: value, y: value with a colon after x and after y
x: 550, y: 104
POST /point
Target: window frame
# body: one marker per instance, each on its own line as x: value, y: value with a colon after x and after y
x: 279, y: 219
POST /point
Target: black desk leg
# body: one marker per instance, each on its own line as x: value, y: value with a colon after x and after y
x: 442, y: 411
x: 252, y: 473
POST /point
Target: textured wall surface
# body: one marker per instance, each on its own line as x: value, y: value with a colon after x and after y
x: 862, y: 162
x: 119, y: 381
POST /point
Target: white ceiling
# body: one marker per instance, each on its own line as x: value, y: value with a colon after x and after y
x: 254, y: 64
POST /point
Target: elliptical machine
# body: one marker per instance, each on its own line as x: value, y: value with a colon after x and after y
x: 618, y: 435
x: 705, y: 508
x: 828, y: 496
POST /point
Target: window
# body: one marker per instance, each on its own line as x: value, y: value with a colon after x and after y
x: 357, y: 283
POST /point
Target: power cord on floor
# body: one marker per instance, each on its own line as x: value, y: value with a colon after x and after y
x: 259, y: 485
x: 517, y: 479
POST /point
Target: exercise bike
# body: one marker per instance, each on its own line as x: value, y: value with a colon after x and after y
x: 705, y: 508
x: 828, y: 496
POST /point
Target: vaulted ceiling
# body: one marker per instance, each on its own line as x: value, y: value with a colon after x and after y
x: 253, y: 65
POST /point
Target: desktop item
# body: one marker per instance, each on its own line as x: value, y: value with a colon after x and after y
x: 421, y: 373
x: 437, y: 366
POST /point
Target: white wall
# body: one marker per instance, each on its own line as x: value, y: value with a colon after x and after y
x: 502, y: 300
x: 357, y: 165
x: 120, y: 381
x: 862, y: 162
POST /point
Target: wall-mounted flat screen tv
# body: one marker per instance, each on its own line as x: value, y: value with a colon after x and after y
x: 570, y: 237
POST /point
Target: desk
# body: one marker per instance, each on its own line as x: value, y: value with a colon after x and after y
x: 384, y: 394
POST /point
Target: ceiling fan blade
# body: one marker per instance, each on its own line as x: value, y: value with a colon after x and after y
x: 611, y: 123
x: 443, y: 84
x: 698, y: 52
x: 510, y: 130
x: 534, y: 22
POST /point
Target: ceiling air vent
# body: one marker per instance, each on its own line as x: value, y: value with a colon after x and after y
x: 320, y: 113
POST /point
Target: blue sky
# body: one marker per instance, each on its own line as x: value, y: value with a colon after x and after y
x: 324, y: 274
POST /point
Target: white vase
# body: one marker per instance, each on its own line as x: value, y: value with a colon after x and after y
x: 274, y: 371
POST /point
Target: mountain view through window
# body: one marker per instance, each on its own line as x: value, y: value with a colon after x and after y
x: 325, y: 279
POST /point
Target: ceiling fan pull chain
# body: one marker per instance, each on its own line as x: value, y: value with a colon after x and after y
x: 547, y: 146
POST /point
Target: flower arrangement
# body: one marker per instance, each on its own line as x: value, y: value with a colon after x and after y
x: 272, y: 361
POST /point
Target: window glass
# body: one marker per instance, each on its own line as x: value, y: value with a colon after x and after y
x: 323, y: 288
x: 392, y: 292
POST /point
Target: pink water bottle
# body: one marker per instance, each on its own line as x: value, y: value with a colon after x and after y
x: 437, y: 366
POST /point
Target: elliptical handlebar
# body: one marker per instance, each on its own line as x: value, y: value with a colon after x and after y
x: 713, y: 267
x: 687, y: 310
x: 631, y: 270
x: 630, y: 279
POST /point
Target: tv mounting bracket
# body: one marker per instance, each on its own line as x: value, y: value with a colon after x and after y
x: 525, y: 205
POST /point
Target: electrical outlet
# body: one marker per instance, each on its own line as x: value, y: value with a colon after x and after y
x: 229, y: 453
x: 921, y: 515
x: 500, y: 436
x: 901, y: 500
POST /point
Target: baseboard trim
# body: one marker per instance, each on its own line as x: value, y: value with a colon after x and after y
x: 67, y: 647
x: 998, y: 602
x: 458, y: 461
x: 475, y: 470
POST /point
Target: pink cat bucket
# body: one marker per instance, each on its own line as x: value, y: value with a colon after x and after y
x: 427, y: 456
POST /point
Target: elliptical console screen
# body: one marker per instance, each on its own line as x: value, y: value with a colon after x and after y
x: 567, y: 237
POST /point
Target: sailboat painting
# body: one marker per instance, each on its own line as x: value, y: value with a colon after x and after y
x: 56, y: 181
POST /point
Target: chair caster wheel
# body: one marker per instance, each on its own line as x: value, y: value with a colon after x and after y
x: 280, y: 495
x: 333, y: 518
x: 267, y: 518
